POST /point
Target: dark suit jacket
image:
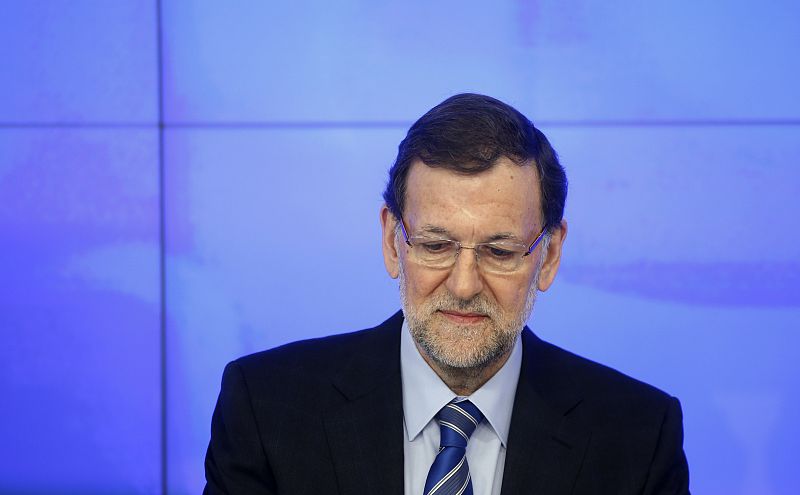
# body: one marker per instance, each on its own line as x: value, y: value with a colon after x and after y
x: 325, y: 416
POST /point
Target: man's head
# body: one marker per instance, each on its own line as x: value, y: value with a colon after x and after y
x: 467, y: 134
x: 475, y: 171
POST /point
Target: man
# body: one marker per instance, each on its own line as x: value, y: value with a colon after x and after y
x: 453, y: 394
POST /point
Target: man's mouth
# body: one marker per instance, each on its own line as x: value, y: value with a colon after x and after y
x: 462, y: 317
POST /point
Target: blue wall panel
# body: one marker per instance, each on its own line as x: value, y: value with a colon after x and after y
x: 78, y: 61
x: 715, y: 198
x: 574, y: 60
x: 79, y: 367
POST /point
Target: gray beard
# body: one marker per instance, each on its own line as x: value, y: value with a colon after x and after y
x: 498, y: 345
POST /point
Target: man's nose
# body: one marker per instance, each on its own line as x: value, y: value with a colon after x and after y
x: 465, y: 281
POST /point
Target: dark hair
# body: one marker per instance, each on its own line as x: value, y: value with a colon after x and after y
x: 468, y: 133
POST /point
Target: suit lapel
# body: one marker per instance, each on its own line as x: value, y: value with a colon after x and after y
x: 365, y: 434
x: 546, y: 445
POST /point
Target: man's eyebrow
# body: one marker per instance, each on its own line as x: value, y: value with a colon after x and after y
x: 499, y: 236
x: 434, y: 229
x: 504, y: 236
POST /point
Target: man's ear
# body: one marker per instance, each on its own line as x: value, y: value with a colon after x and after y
x: 389, y: 228
x: 553, y: 257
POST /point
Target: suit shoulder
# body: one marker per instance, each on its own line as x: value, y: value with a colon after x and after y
x: 320, y: 355
x: 320, y: 351
x: 598, y: 380
x: 303, y: 373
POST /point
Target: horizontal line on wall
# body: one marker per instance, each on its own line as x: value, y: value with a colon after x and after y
x: 671, y: 123
x: 393, y: 124
x: 322, y: 124
x: 78, y: 125
x: 543, y: 123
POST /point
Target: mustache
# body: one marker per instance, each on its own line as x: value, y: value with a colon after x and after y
x: 478, y: 304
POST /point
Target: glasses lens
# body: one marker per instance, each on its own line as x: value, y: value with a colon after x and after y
x: 434, y: 252
x: 499, y: 258
x: 492, y: 257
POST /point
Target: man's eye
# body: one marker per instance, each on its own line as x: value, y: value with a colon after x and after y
x: 436, y: 247
x: 499, y: 253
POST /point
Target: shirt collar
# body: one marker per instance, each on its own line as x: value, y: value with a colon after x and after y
x: 424, y: 393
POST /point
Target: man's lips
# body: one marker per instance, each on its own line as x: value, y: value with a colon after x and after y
x: 460, y: 317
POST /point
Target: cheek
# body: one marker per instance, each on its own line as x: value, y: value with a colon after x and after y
x: 422, y: 283
x: 512, y: 300
x: 512, y: 294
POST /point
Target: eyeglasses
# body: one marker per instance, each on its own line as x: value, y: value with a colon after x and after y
x: 495, y: 257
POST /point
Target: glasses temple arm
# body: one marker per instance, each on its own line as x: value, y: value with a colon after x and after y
x: 536, y: 241
x: 403, y: 228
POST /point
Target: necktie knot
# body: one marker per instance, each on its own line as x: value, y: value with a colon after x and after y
x: 457, y: 422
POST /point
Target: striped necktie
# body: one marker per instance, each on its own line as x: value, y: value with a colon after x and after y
x: 449, y: 474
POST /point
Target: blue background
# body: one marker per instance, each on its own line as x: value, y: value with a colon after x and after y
x: 183, y: 182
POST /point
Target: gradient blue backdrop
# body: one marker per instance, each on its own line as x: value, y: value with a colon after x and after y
x: 236, y: 152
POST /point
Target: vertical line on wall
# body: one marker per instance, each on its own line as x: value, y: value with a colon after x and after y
x: 162, y: 251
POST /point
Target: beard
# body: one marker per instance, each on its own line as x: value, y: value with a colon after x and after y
x: 464, y: 346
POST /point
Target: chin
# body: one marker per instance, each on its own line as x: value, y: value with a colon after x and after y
x: 464, y: 352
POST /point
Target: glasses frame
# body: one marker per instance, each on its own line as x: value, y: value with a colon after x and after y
x: 460, y: 246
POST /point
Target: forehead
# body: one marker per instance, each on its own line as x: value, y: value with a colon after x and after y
x: 505, y: 198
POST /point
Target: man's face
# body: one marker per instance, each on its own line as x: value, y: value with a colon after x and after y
x: 462, y: 316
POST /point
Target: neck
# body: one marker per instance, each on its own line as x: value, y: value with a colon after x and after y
x: 465, y: 381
